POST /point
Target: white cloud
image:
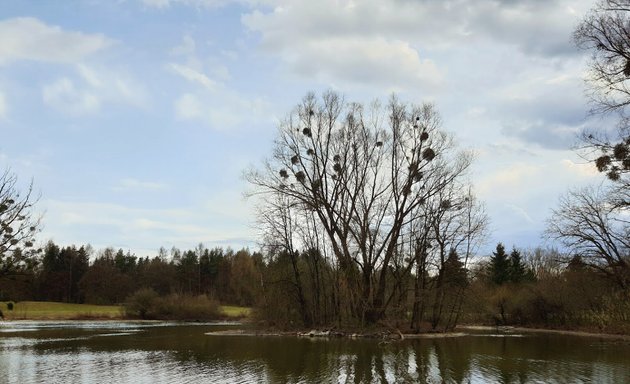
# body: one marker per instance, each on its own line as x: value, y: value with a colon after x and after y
x: 221, y: 110
x: 194, y: 76
x: 331, y: 43
x: 211, y: 101
x: 91, y: 89
x: 402, y: 42
x: 63, y: 95
x: 364, y: 61
x: 4, y: 108
x: 28, y: 38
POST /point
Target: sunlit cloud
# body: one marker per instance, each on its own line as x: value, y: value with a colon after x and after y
x: 27, y: 38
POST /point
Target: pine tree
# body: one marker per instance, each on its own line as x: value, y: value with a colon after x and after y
x: 454, y: 270
x: 518, y: 272
x: 500, y: 266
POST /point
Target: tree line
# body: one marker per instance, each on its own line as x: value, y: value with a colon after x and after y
x: 80, y: 275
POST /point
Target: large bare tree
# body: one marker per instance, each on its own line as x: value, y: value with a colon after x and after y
x: 360, y: 176
x: 605, y: 32
x: 594, y: 227
x: 18, y: 225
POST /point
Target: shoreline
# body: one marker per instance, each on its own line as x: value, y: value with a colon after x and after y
x: 393, y: 336
x: 383, y: 334
x: 567, y: 332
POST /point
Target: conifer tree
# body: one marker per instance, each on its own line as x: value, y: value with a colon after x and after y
x: 518, y: 272
x: 499, y: 266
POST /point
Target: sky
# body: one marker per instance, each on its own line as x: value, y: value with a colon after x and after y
x: 135, y: 119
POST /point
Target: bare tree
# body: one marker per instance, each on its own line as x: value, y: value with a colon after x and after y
x: 589, y: 223
x: 362, y: 174
x: 18, y: 225
x: 605, y: 31
x: 454, y: 225
x: 280, y: 227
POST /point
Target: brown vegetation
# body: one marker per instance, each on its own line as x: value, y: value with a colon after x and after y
x: 147, y: 305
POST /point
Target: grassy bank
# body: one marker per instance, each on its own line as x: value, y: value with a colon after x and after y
x: 41, y: 310
x: 232, y: 311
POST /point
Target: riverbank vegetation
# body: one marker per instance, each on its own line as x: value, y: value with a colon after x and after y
x: 534, y: 288
x: 146, y: 304
x: 39, y: 310
x: 48, y: 310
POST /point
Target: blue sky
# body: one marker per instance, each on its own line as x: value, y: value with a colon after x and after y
x: 136, y: 119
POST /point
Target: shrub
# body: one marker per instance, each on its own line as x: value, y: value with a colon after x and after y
x: 147, y: 304
x: 142, y: 303
x: 183, y: 307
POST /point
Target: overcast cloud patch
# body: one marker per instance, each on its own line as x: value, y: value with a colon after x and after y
x: 546, y: 135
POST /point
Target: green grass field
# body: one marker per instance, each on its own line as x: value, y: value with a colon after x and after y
x: 236, y: 312
x: 39, y: 310
x: 42, y: 310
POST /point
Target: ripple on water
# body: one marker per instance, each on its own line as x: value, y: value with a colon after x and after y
x: 182, y: 354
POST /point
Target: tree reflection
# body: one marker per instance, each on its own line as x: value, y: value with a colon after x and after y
x: 181, y: 352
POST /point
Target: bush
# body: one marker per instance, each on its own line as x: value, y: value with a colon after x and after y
x: 10, y: 305
x: 183, y: 307
x: 142, y: 303
x: 146, y: 304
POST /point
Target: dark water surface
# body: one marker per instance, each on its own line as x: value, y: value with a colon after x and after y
x: 128, y: 352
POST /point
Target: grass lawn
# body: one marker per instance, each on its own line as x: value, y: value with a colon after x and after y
x: 44, y: 310
x: 234, y: 311
x: 41, y: 310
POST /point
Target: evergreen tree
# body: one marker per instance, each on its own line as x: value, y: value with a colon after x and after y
x: 518, y: 272
x: 499, y: 266
x: 454, y: 270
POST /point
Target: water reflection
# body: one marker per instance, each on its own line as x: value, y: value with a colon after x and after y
x: 152, y: 353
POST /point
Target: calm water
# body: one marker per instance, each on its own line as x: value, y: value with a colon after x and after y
x: 127, y: 352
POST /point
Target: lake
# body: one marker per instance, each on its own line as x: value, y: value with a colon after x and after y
x: 135, y: 352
